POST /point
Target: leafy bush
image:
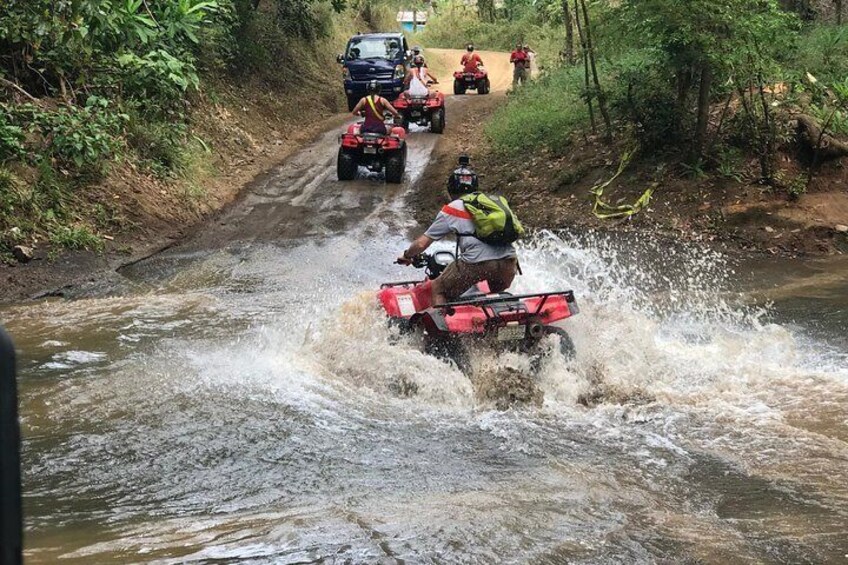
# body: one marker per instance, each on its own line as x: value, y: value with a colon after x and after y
x: 11, y: 138
x: 83, y: 139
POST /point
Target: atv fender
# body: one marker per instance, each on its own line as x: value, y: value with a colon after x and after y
x: 432, y: 320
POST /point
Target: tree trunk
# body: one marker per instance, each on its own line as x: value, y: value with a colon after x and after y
x: 585, y: 52
x: 602, y: 101
x: 838, y: 11
x: 768, y: 131
x: 703, y: 108
x: 569, y: 33
x: 486, y: 10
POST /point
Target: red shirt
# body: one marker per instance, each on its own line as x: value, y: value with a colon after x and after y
x: 470, y: 62
x: 519, y: 57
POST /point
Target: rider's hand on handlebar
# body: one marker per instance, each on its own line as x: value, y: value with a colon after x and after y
x: 402, y: 260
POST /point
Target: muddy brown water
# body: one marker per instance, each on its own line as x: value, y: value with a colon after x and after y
x: 237, y: 400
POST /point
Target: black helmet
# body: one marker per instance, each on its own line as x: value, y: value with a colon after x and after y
x: 373, y: 87
x: 469, y: 47
x: 418, y: 61
x: 463, y: 180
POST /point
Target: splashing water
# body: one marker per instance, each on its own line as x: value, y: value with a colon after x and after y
x: 253, y: 415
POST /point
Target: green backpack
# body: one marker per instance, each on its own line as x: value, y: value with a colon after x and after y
x: 494, y: 222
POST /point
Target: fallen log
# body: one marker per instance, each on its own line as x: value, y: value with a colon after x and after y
x: 824, y: 146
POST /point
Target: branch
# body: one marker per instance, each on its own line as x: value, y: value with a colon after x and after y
x: 18, y: 89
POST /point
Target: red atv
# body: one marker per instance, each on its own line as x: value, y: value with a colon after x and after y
x: 422, y: 110
x: 517, y: 322
x: 374, y: 151
x: 478, y: 80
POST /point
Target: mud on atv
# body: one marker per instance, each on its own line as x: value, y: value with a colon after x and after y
x: 373, y: 151
x: 503, y: 320
x: 422, y: 110
x: 478, y: 80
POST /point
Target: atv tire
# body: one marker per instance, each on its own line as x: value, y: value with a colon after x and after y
x: 395, y: 166
x: 346, y: 166
x: 566, y: 346
x: 404, y: 121
x: 437, y: 121
x: 458, y: 87
x: 451, y: 350
x: 483, y: 87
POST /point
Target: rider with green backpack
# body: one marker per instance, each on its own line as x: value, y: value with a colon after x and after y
x: 485, y: 228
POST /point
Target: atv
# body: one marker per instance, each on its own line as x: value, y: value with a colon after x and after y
x: 503, y: 320
x: 374, y: 151
x: 422, y: 110
x: 478, y: 80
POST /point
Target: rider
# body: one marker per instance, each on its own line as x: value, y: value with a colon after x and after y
x: 478, y: 261
x: 470, y: 60
x: 373, y: 107
x: 417, y: 77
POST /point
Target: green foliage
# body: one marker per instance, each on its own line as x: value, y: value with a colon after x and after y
x: 545, y: 112
x: 75, y: 237
x: 821, y: 50
x: 11, y: 138
x: 81, y: 140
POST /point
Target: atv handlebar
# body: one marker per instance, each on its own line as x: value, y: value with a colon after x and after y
x: 432, y: 264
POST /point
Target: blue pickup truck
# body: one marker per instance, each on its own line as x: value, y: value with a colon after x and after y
x: 374, y: 56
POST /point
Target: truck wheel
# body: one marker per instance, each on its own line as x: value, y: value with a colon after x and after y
x: 346, y: 166
x: 458, y: 87
x: 437, y: 121
x: 351, y: 103
x: 395, y: 166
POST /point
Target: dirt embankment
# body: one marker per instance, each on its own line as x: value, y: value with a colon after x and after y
x: 246, y: 129
x: 554, y: 192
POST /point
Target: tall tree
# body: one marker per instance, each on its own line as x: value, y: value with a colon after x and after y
x: 598, y: 91
x: 569, y: 33
x: 585, y: 51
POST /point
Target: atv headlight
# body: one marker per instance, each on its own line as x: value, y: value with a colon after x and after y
x: 444, y: 258
x: 400, y: 72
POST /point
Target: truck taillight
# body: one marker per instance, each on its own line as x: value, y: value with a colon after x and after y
x: 345, y: 73
x: 400, y: 72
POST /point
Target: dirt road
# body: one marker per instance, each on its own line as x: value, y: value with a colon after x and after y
x: 301, y: 197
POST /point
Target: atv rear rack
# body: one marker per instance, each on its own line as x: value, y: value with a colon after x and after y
x: 489, y: 300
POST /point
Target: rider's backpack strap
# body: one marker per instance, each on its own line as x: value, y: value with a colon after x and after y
x: 372, y: 103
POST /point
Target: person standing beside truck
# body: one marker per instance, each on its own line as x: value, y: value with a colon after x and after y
x: 521, y: 60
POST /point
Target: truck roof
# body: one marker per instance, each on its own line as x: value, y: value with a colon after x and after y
x: 381, y: 34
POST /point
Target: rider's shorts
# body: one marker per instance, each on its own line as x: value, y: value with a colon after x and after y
x: 459, y: 276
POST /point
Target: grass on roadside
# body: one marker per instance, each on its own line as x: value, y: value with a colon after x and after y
x: 546, y: 112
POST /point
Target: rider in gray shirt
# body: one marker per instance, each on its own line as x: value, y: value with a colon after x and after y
x: 478, y: 261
